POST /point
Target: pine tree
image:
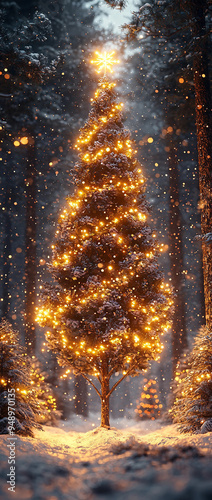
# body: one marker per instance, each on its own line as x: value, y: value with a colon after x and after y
x: 109, y: 306
x: 193, y: 393
x: 42, y: 394
x: 14, y: 378
x: 149, y: 406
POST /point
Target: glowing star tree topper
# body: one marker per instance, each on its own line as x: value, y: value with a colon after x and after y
x: 108, y: 306
x: 104, y: 61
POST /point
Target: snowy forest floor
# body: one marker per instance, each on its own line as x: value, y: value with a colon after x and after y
x: 132, y: 461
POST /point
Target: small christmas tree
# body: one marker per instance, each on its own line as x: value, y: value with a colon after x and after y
x: 109, y: 304
x: 193, y: 392
x: 149, y: 406
x: 42, y: 395
x: 14, y: 375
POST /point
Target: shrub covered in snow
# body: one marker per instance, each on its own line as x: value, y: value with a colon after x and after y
x: 32, y: 397
x: 14, y: 369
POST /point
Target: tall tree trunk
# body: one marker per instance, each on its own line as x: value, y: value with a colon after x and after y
x: 201, y: 291
x: 204, y: 143
x: 179, y: 337
x: 105, y: 415
x: 7, y: 246
x: 30, y: 258
x: 81, y: 396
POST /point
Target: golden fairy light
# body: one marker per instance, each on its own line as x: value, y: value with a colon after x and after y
x: 81, y: 326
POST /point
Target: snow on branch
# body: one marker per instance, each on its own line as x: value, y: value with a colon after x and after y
x: 207, y: 238
x: 116, y: 4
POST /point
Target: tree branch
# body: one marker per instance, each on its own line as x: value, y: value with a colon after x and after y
x: 111, y: 371
x: 90, y: 382
x: 5, y: 95
x: 150, y: 32
x: 119, y: 381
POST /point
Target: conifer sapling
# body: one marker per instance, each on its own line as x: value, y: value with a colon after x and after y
x: 109, y: 304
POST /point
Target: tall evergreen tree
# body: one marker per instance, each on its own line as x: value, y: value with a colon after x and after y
x: 109, y: 307
x: 22, y: 30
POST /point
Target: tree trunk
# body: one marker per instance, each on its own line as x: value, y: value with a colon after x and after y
x: 7, y: 246
x: 81, y: 393
x: 6, y: 265
x: 105, y: 416
x: 204, y: 143
x: 179, y: 337
x: 30, y: 258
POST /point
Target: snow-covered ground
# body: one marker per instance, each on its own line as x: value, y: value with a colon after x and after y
x: 131, y: 461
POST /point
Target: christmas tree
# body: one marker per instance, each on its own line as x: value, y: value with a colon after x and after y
x: 109, y: 304
x: 18, y: 412
x: 149, y: 406
x: 42, y: 394
x: 193, y: 391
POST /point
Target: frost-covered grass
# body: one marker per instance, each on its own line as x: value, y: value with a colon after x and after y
x: 80, y: 461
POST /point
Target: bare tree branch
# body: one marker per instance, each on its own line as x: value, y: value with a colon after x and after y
x: 119, y: 381
x: 111, y: 371
x: 6, y: 95
x: 90, y: 382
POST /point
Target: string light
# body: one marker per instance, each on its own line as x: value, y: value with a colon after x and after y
x: 102, y: 252
x: 149, y: 406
